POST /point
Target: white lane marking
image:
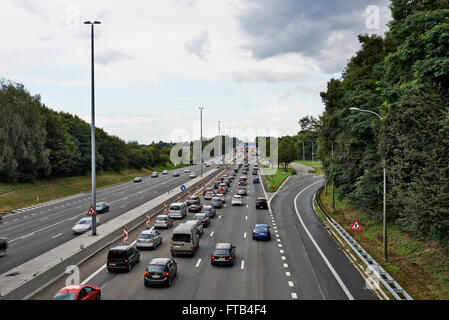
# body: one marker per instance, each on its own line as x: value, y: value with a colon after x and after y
x: 25, y: 217
x: 285, y: 265
x: 278, y: 240
x: 290, y: 283
x: 56, y: 235
x: 281, y: 251
x: 246, y: 217
x: 242, y: 265
x: 198, y: 263
x: 294, y: 295
x: 329, y: 265
x: 219, y: 217
x: 43, y: 219
x: 244, y: 235
x: 277, y: 235
x: 123, y: 206
x: 142, y: 198
x: 288, y: 274
x: 279, y: 245
x: 27, y: 235
x: 212, y: 233
x: 247, y: 206
x: 283, y: 258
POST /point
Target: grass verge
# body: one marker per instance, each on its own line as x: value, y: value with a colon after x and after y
x: 316, y: 165
x: 19, y: 195
x: 273, y: 183
x: 420, y: 266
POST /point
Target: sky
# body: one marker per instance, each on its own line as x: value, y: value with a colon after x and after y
x: 254, y: 65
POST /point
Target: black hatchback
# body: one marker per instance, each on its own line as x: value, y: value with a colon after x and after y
x: 160, y: 271
x: 122, y: 258
x: 261, y: 203
x: 222, y: 253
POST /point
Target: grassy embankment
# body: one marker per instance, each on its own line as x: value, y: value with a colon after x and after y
x: 273, y: 183
x: 19, y: 195
x: 316, y: 165
x: 420, y: 266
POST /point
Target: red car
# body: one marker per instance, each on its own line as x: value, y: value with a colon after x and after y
x: 78, y: 292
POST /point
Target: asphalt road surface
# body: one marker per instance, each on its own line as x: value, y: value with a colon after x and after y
x: 289, y: 266
x: 34, y: 231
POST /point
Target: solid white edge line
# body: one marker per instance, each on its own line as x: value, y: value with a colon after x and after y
x: 329, y: 265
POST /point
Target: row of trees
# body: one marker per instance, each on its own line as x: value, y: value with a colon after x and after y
x: 37, y: 142
x: 404, y: 77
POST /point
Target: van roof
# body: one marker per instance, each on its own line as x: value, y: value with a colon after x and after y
x: 183, y: 227
x: 177, y: 203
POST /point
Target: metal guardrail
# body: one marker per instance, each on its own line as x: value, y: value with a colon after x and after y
x: 387, y: 280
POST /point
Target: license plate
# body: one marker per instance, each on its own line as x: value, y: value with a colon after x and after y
x: 221, y: 258
x: 156, y: 276
x: 112, y: 264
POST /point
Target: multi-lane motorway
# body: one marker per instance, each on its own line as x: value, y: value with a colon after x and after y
x: 301, y: 261
x: 33, y: 231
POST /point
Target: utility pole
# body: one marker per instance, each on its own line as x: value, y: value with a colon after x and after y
x: 201, y: 140
x: 94, y: 196
x: 219, y: 143
x: 333, y: 182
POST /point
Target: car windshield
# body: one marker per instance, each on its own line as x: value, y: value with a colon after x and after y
x: 261, y: 228
x: 84, y: 221
x: 156, y: 268
x: 65, y: 296
x: 181, y: 237
x: 147, y: 235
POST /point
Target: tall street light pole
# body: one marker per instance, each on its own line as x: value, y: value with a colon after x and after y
x: 219, y: 143
x: 201, y: 140
x: 385, y: 186
x: 94, y: 197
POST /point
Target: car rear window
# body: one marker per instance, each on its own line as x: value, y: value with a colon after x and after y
x: 116, y: 255
x: 161, y: 218
x: 181, y: 237
x: 65, y: 296
x: 221, y: 252
x: 156, y: 268
x: 147, y: 236
x: 175, y: 207
x: 260, y: 228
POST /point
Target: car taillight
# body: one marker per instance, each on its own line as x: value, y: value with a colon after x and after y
x: 255, y: 232
x: 151, y: 240
x: 212, y: 257
x: 171, y: 245
x: 166, y: 274
x: 107, y: 260
x: 204, y: 220
x: 146, y: 273
x: 191, y: 245
x: 126, y: 260
x: 230, y: 258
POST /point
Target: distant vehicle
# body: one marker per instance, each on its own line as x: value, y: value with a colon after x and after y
x: 203, y: 218
x: 261, y: 231
x: 160, y: 271
x: 177, y: 210
x: 155, y: 174
x: 102, y: 207
x: 186, y: 170
x: 242, y: 182
x: 237, y: 200
x: 185, y: 239
x: 78, y: 292
x: 207, y: 189
x: 3, y: 246
x: 176, y: 174
x: 195, y: 208
x: 223, y: 253
x: 210, y: 210
x: 122, y: 258
x: 163, y: 221
x: 209, y: 195
x: 254, y: 172
x: 242, y: 191
x: 222, y: 197
x: 148, y: 239
x: 216, y: 202
x: 256, y: 180
x: 207, y: 164
x: 261, y: 203
x: 227, y: 182
x: 137, y: 179
x: 222, y: 188
x: 193, y: 200
x: 165, y: 172
x: 84, y: 225
x: 192, y: 175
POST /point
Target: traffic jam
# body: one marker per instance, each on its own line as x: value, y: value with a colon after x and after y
x: 181, y: 227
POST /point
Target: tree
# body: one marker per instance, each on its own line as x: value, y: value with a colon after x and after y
x: 287, y: 151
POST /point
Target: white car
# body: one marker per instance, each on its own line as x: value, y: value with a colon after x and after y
x: 186, y: 170
x: 237, y: 200
x: 165, y: 172
x: 84, y: 225
x: 192, y: 175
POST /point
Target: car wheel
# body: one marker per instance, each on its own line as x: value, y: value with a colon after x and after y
x: 129, y: 267
x: 99, y: 296
x: 169, y: 281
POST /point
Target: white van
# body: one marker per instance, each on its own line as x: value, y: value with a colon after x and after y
x: 185, y: 239
x: 177, y: 210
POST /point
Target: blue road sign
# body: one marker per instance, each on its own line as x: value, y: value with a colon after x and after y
x: 211, y: 175
x: 183, y: 187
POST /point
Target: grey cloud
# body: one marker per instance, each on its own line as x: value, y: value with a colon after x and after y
x: 324, y: 30
x: 110, y: 56
x: 199, y: 45
x: 269, y: 76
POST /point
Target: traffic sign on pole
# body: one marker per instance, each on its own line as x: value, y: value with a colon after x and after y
x: 183, y: 187
x: 91, y: 212
x: 356, y: 226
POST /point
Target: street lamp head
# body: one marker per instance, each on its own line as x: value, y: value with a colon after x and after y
x: 354, y: 109
x: 90, y: 22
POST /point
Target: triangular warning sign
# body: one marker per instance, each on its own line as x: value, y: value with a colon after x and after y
x: 91, y: 211
x: 356, y: 226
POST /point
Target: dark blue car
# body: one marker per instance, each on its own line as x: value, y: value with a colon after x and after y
x: 256, y: 180
x: 261, y: 231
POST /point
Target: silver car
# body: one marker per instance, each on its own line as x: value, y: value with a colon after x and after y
x: 163, y: 221
x: 237, y: 200
x: 148, y: 239
x: 192, y: 175
x: 84, y: 225
x: 165, y: 172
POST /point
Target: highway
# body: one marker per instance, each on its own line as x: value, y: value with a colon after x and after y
x: 287, y: 267
x: 34, y: 231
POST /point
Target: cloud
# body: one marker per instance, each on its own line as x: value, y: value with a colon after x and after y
x: 110, y: 56
x: 322, y: 30
x: 185, y: 3
x: 269, y: 76
x: 46, y: 38
x: 199, y: 45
